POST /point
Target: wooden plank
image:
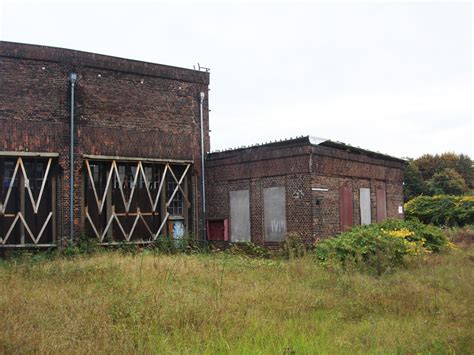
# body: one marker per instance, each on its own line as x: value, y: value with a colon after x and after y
x: 345, y: 208
x: 381, y: 204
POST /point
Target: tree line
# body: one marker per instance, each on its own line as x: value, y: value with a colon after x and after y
x: 439, y: 174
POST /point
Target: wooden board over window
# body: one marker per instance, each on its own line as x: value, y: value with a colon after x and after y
x: 345, y: 208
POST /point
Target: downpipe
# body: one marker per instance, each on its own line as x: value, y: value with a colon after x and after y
x: 203, y: 177
x: 72, y: 80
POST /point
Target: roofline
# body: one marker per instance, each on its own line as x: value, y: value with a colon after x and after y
x: 76, y: 58
x: 313, y: 141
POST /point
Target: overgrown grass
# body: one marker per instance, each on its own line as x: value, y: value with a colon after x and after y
x: 221, y: 303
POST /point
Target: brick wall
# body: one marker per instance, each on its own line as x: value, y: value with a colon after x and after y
x: 123, y: 108
x: 333, y: 169
x: 300, y: 166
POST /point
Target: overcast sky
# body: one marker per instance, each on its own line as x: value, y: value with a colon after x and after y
x: 389, y: 77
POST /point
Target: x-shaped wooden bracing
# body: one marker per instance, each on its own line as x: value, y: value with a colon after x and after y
x: 35, y: 203
x: 138, y: 216
x: 19, y: 216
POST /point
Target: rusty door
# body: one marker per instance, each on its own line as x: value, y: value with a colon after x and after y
x: 381, y: 204
x: 345, y: 207
x: 218, y: 230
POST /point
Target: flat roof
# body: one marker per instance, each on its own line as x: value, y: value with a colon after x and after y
x: 313, y: 141
x: 75, y: 58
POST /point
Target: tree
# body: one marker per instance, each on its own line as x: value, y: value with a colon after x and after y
x: 429, y: 165
x: 447, y: 182
x: 413, y: 185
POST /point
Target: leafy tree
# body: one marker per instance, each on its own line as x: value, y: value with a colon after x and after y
x: 447, y: 182
x: 429, y: 165
x: 413, y: 185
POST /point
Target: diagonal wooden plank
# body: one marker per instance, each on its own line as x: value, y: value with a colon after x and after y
x: 12, y: 182
x: 135, y: 183
x: 180, y: 181
x: 160, y: 187
x: 88, y: 217
x: 43, y: 227
x: 43, y: 184
x: 146, y: 182
x: 4, y: 240
x: 161, y: 226
x: 178, y: 187
x: 27, y: 184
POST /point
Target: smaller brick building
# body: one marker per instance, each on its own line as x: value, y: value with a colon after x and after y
x: 309, y: 186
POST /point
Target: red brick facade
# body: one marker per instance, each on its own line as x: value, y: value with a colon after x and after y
x: 312, y: 175
x: 123, y: 108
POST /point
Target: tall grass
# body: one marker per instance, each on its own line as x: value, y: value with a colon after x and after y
x: 214, y: 303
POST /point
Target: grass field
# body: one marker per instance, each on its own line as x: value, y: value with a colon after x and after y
x: 220, y: 303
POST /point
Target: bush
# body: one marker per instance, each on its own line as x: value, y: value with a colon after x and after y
x: 187, y: 244
x: 442, y: 210
x: 378, y: 248
x: 293, y: 247
x: 248, y: 249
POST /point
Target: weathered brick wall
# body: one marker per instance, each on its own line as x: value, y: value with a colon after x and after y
x: 299, y: 167
x: 123, y: 108
x: 333, y: 169
x: 256, y: 169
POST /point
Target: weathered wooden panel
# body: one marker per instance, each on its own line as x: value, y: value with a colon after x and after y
x: 345, y: 207
x: 381, y: 204
x: 239, y: 216
x: 274, y: 209
x: 365, y: 215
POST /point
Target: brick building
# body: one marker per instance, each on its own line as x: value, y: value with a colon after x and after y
x: 309, y: 186
x: 137, y: 147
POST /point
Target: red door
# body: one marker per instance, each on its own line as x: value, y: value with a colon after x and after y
x: 381, y: 204
x: 345, y: 207
x: 218, y: 230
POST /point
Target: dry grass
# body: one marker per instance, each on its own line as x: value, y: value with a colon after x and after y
x: 214, y: 303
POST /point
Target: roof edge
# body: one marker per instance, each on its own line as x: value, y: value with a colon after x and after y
x: 314, y: 141
x: 74, y: 57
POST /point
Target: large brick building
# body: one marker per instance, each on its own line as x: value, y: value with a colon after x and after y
x: 137, y: 148
x: 309, y: 186
x: 137, y: 161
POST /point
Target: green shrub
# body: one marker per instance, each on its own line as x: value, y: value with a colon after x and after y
x: 248, y: 249
x: 378, y: 248
x: 186, y: 244
x: 442, y: 210
x: 293, y: 246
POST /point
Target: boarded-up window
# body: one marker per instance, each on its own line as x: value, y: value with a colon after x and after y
x: 239, y: 216
x: 381, y: 204
x: 345, y: 207
x: 274, y: 205
x: 365, y: 217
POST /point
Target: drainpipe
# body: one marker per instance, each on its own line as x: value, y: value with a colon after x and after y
x: 203, y: 178
x: 72, y: 79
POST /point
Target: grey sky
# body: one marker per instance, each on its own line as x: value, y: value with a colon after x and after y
x: 395, y: 78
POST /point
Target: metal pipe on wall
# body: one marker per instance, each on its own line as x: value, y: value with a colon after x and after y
x: 203, y: 178
x: 72, y: 79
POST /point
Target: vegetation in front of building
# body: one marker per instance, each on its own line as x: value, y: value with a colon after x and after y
x: 382, y: 247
